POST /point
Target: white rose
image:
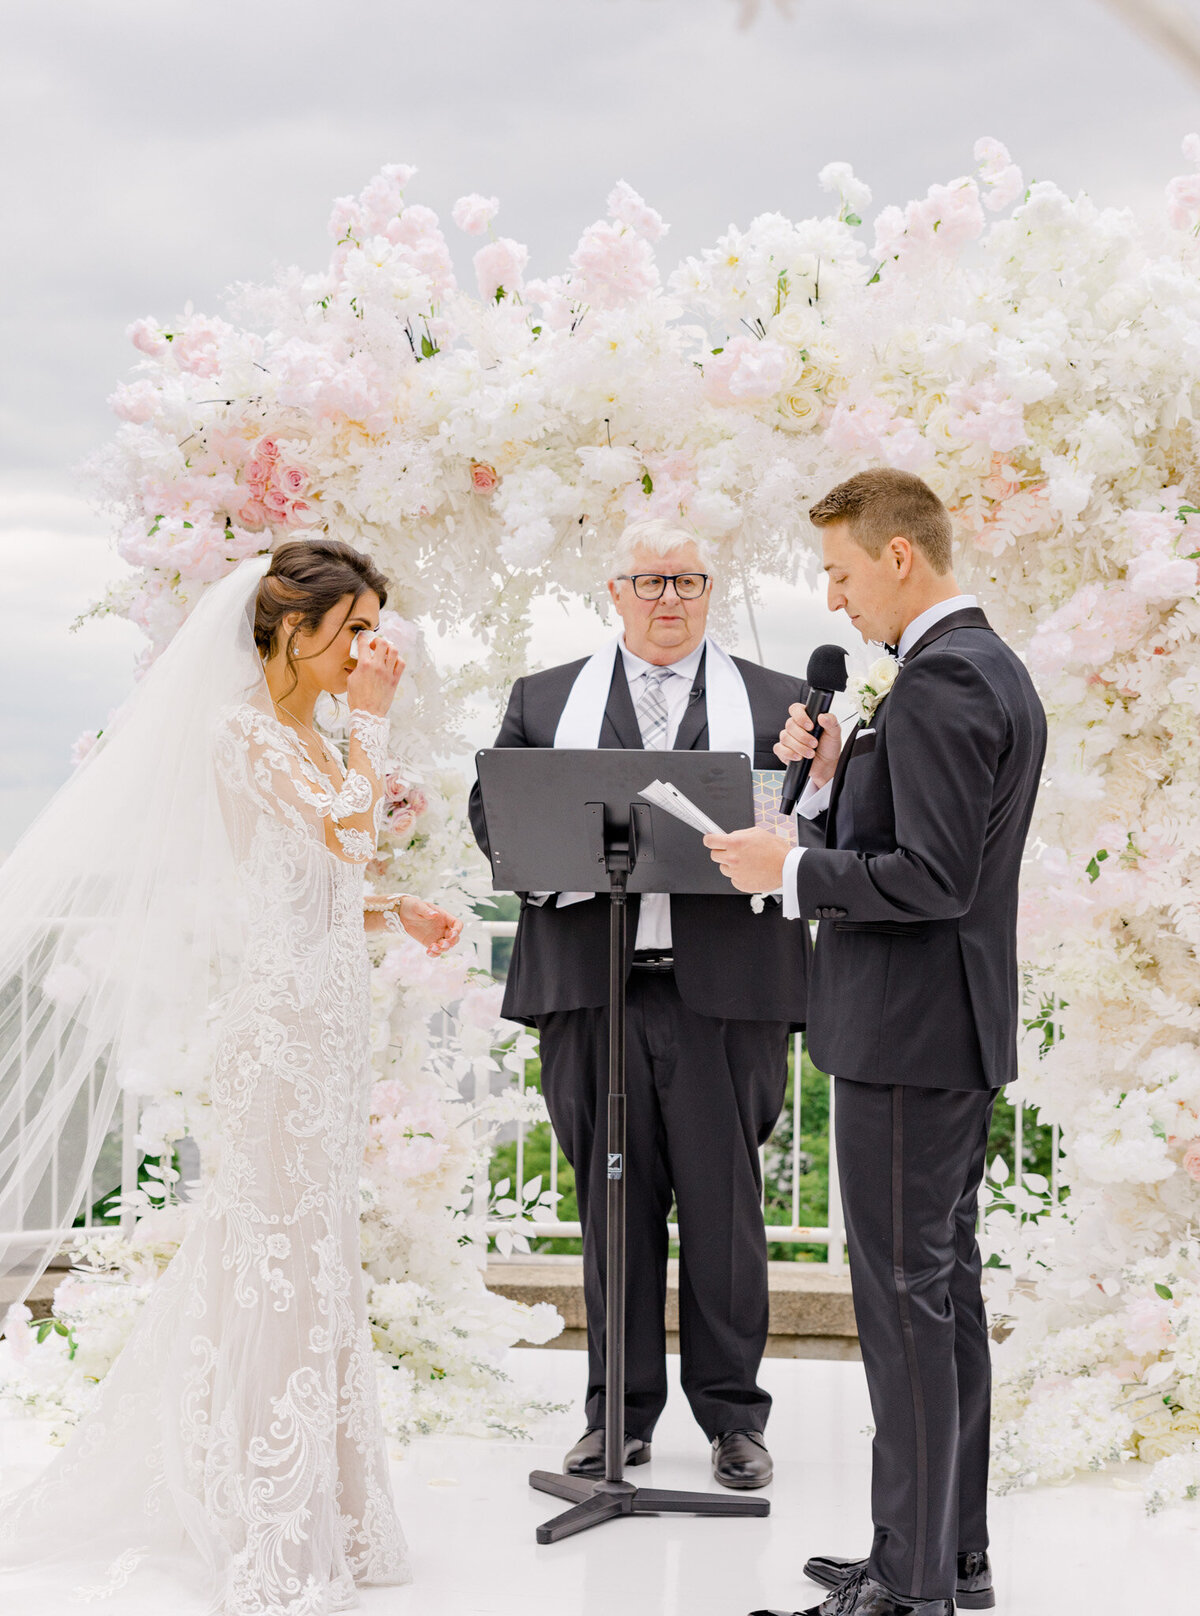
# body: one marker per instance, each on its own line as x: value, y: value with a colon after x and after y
x: 795, y: 326
x: 869, y: 688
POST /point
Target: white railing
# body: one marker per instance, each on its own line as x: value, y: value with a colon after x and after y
x: 31, y: 1030
x: 830, y: 1233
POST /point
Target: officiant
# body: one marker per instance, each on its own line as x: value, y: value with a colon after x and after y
x: 714, y: 992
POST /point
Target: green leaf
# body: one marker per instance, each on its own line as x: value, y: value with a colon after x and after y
x: 873, y: 279
x: 1094, y: 863
x: 718, y: 350
x: 1164, y: 1291
x: 428, y: 348
x: 852, y: 219
x: 43, y: 1330
x: 647, y: 484
x: 501, y: 294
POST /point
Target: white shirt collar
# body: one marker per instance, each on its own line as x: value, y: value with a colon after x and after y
x: 927, y: 619
x: 686, y: 667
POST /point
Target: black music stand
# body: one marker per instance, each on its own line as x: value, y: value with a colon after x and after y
x: 572, y: 821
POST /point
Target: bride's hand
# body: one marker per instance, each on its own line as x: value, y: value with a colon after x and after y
x: 430, y: 925
x: 372, y: 685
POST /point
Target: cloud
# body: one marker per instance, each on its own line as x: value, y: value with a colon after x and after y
x: 54, y: 564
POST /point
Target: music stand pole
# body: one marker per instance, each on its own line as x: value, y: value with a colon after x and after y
x: 597, y: 1501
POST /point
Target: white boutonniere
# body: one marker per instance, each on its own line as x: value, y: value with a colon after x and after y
x: 869, y: 689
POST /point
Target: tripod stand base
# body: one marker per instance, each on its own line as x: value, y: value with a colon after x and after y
x: 597, y: 1501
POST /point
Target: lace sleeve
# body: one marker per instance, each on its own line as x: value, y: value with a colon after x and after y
x: 371, y: 733
x: 361, y: 798
x: 264, y: 771
x: 261, y: 773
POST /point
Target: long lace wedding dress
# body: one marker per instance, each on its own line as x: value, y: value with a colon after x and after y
x: 236, y: 1446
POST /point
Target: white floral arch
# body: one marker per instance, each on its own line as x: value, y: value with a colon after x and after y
x: 1040, y: 370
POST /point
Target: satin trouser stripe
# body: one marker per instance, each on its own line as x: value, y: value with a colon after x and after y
x: 921, y: 1530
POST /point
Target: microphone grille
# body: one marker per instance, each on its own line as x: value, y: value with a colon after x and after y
x: 827, y: 668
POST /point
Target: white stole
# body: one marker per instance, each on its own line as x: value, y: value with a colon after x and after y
x: 730, y: 721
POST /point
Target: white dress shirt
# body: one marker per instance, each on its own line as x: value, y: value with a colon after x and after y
x: 654, y: 912
x: 816, y: 799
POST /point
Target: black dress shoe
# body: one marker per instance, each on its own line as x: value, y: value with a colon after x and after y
x: 586, y: 1458
x: 974, y: 1591
x: 740, y: 1459
x: 860, y: 1595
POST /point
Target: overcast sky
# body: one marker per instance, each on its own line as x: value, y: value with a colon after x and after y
x: 155, y: 152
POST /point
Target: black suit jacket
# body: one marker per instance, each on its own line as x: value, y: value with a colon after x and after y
x: 729, y: 962
x: 915, y: 976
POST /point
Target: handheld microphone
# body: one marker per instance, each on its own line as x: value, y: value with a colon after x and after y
x: 827, y: 678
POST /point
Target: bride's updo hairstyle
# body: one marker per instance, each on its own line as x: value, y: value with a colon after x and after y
x: 310, y: 576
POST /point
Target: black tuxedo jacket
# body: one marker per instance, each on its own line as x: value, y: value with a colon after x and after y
x: 729, y: 962
x: 915, y: 975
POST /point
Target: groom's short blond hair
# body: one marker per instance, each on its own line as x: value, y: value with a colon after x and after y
x: 885, y: 504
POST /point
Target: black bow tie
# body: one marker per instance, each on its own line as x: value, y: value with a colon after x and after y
x: 892, y: 650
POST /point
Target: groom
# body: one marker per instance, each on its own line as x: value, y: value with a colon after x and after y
x: 714, y: 993
x: 914, y: 1006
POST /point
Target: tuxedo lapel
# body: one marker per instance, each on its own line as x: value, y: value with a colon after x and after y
x: 969, y: 617
x: 693, y: 726
x: 839, y: 777
x: 620, y: 727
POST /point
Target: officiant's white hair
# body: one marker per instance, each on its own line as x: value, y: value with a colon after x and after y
x: 654, y: 536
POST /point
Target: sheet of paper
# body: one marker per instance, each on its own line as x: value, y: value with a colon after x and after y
x: 671, y: 800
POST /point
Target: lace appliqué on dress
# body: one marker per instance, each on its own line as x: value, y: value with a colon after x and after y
x: 357, y: 845
x: 371, y: 733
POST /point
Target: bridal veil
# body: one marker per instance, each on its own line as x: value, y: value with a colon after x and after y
x: 119, y: 924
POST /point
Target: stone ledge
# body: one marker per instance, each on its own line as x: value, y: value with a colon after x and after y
x: 40, y: 1297
x: 812, y: 1315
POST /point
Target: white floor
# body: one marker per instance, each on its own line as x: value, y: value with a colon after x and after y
x: 470, y: 1519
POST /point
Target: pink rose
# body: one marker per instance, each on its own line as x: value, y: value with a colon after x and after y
x: 83, y: 745
x: 135, y: 401
x: 474, y: 213
x: 257, y: 476
x: 267, y: 449
x: 1191, y: 1160
x: 626, y: 207
x: 400, y: 633
x: 147, y: 337
x: 253, y: 514
x: 746, y: 371
x: 483, y: 476
x: 395, y: 787
x: 292, y: 479
x: 401, y: 819
x: 276, y: 502
x: 614, y: 265
x: 500, y: 268
x: 1148, y: 1327
x: 480, y: 1006
x: 346, y: 219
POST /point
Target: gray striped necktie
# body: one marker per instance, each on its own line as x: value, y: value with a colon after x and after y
x: 652, y: 709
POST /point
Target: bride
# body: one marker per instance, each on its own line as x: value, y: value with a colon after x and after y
x: 195, y: 894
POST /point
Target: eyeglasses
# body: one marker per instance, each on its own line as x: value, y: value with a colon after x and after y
x: 652, y: 585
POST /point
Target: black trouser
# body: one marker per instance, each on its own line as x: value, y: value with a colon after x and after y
x: 911, y: 1162
x: 704, y: 1094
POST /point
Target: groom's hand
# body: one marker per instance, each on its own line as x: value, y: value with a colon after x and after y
x: 798, y: 740
x: 752, y: 859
